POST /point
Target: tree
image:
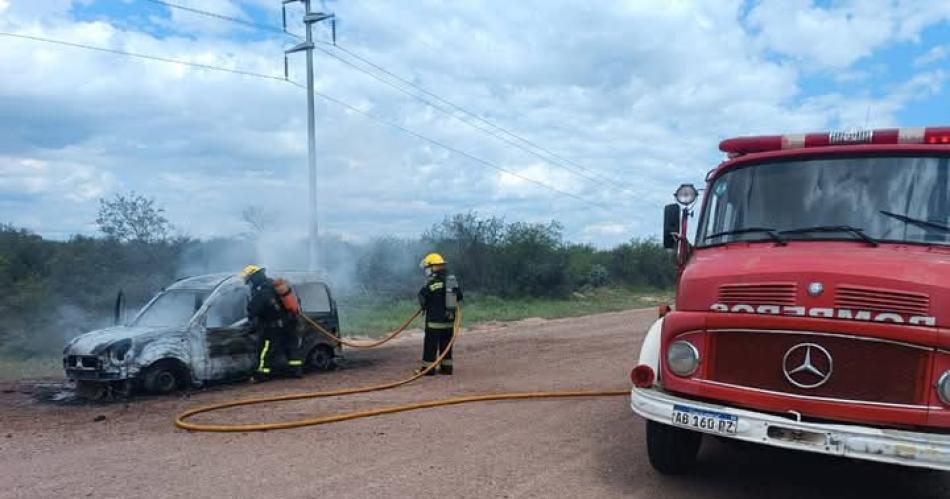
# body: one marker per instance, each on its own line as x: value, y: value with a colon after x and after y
x: 133, y: 217
x: 471, y: 245
x: 258, y: 220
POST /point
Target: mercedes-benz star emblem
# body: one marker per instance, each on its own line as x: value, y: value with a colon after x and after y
x: 807, y: 365
x: 815, y: 288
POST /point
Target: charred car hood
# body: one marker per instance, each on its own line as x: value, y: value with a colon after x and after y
x: 854, y: 279
x: 95, y: 342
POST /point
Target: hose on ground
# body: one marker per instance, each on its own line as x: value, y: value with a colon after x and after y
x: 360, y: 344
x: 181, y: 421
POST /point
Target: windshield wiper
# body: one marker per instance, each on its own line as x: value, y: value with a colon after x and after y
x: 857, y: 231
x: 765, y: 230
x: 915, y: 221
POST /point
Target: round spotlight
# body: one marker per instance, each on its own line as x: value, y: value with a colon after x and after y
x: 686, y: 194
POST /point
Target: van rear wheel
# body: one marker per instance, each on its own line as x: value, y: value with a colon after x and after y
x: 672, y: 450
x: 321, y: 358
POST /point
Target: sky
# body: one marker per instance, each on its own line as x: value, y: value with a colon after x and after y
x: 632, y: 97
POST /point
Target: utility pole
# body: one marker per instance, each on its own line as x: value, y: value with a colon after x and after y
x: 309, y: 19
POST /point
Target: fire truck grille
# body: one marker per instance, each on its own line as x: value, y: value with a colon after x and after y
x: 848, y: 368
x: 881, y: 300
x: 775, y: 293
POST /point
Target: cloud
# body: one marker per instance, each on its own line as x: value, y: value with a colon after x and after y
x: 932, y: 56
x: 837, y: 36
x: 640, y: 92
x: 72, y: 181
x: 609, y: 229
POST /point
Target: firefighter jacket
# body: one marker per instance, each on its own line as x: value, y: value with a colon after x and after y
x: 432, y: 301
x: 264, y: 308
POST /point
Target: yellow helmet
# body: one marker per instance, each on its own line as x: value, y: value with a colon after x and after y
x: 432, y: 259
x: 249, y: 271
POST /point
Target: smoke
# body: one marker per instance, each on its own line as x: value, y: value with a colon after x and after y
x: 384, y: 265
x: 42, y: 335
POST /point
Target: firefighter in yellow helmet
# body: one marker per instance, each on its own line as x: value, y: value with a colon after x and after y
x: 438, y: 299
x: 276, y: 325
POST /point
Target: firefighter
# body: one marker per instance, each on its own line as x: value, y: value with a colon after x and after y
x: 438, y: 299
x: 276, y: 325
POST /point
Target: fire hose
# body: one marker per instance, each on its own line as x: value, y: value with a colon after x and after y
x: 181, y: 421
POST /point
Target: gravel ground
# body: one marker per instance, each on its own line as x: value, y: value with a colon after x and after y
x: 51, y: 446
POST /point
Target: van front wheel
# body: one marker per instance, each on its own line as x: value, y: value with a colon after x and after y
x: 162, y: 378
x: 672, y: 450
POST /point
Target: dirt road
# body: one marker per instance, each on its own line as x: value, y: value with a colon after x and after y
x: 562, y: 448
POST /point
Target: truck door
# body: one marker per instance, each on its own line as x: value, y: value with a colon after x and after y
x: 230, y: 342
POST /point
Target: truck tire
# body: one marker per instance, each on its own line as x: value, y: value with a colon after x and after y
x: 162, y: 378
x: 321, y: 359
x: 672, y: 450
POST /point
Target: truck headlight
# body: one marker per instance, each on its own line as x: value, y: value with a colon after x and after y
x: 943, y: 387
x: 682, y: 357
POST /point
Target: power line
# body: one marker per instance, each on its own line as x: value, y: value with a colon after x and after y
x: 322, y: 95
x: 473, y: 115
x: 518, y: 142
x: 450, y: 148
x: 454, y: 116
x: 236, y: 20
x: 145, y: 56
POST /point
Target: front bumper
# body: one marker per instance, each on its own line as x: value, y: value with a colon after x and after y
x: 92, y: 368
x: 924, y: 450
x: 92, y: 375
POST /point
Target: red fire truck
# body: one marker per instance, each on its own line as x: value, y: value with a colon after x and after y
x: 813, y: 306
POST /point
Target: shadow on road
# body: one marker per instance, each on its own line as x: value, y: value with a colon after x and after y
x: 747, y: 470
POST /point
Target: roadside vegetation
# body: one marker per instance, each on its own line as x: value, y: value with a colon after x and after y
x: 55, y: 290
x: 360, y: 317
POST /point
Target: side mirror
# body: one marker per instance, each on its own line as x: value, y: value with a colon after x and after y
x: 671, y: 225
x: 119, y: 311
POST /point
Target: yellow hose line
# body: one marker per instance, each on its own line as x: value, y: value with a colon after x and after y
x: 181, y: 419
x: 360, y: 344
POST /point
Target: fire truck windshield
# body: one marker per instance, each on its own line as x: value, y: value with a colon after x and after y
x: 870, y: 199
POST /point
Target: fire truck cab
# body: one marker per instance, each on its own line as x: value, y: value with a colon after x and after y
x: 812, y: 308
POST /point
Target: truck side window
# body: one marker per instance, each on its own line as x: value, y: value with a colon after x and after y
x: 228, y: 308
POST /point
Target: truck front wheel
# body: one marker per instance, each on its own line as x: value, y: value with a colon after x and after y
x: 672, y: 450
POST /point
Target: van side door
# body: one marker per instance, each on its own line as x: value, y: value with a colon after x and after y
x: 230, y: 341
x: 317, y: 304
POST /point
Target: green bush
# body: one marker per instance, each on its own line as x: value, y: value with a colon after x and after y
x: 54, y: 290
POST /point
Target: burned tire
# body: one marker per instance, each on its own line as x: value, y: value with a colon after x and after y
x: 321, y: 359
x: 90, y: 390
x: 672, y: 450
x: 162, y: 377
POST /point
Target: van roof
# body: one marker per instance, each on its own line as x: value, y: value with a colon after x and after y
x: 212, y: 281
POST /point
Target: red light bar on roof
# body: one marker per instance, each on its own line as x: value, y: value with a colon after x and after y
x: 748, y: 145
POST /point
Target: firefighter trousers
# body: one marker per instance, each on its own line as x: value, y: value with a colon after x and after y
x: 436, y: 339
x: 274, y: 341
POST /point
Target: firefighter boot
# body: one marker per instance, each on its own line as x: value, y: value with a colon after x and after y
x: 296, y: 368
x: 446, y: 367
x: 423, y: 368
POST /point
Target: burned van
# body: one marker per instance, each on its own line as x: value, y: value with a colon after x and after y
x: 191, y: 333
